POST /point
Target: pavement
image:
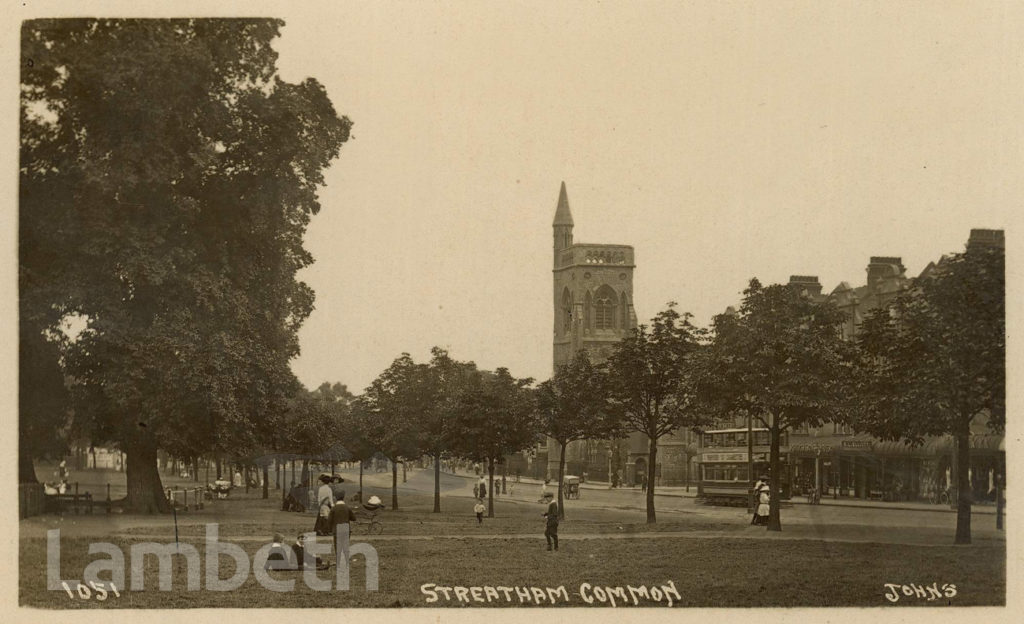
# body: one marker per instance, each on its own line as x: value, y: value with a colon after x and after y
x: 859, y: 521
x: 691, y: 492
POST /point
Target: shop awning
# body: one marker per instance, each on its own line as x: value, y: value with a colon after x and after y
x: 984, y: 442
x: 900, y: 448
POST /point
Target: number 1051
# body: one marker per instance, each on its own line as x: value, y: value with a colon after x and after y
x: 85, y: 593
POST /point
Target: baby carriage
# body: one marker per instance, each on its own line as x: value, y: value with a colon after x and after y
x: 218, y: 489
x: 369, y: 516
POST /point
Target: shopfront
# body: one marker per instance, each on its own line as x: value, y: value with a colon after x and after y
x: 870, y: 469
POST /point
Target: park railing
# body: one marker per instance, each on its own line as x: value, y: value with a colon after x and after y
x: 185, y: 498
x: 30, y: 500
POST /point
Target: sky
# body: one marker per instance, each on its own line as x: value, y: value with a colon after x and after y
x: 722, y: 140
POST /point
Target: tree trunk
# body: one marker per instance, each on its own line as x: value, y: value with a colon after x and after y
x: 266, y: 480
x: 774, y: 478
x: 277, y: 474
x: 652, y: 471
x: 219, y: 473
x: 963, y: 486
x: 360, y: 481
x: 195, y: 469
x: 145, y: 490
x: 561, y: 477
x: 26, y: 468
x: 437, y: 483
x: 490, y: 485
x: 394, y: 485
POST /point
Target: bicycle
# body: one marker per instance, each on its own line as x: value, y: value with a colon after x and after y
x: 939, y: 498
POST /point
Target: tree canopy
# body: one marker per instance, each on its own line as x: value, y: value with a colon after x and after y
x: 167, y: 178
x: 934, y: 361
x: 649, y: 380
x: 571, y: 406
x: 781, y: 359
x: 494, y: 417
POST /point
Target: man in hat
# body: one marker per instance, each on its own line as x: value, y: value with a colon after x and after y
x: 551, y: 532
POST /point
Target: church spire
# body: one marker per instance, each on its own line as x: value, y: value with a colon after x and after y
x: 562, y: 214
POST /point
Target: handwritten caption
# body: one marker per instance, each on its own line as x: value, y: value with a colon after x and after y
x: 895, y: 591
x: 589, y: 594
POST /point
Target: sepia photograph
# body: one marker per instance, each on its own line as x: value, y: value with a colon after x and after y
x: 443, y: 305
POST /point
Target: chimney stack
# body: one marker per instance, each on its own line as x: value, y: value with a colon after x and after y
x: 809, y: 283
x: 882, y: 267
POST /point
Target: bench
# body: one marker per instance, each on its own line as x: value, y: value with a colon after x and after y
x: 60, y: 502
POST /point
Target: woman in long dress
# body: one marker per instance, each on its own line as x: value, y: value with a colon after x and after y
x: 763, y: 497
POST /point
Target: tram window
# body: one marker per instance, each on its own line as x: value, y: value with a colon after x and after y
x: 708, y: 439
x: 741, y: 438
x: 761, y: 438
x: 730, y: 439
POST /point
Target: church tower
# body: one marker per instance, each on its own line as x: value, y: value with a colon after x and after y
x: 593, y: 310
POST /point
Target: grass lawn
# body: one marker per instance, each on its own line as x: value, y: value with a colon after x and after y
x: 723, y: 572
x: 741, y: 567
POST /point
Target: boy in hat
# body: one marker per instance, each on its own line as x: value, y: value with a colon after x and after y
x: 551, y: 532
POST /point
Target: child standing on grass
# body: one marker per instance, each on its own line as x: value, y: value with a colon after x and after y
x: 479, y: 509
x: 551, y: 532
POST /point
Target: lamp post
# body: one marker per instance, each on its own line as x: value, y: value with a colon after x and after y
x: 750, y: 462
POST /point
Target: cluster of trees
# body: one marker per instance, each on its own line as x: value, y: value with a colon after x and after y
x: 167, y: 177
x: 929, y: 363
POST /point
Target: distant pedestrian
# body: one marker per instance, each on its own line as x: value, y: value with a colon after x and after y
x: 763, y: 500
x: 551, y: 515
x: 483, y: 488
x: 503, y: 488
x: 643, y: 483
x: 476, y: 490
x: 544, y: 491
x: 479, y: 509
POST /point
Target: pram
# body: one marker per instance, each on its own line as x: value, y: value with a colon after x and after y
x: 367, y: 518
x: 219, y: 489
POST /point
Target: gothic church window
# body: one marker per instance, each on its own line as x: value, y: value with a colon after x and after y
x: 566, y: 310
x: 604, y: 308
x: 587, y: 304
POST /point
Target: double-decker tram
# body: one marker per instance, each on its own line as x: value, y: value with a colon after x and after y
x: 725, y: 477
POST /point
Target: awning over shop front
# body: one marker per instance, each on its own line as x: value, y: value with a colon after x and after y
x: 900, y: 448
x: 984, y: 443
x: 860, y: 445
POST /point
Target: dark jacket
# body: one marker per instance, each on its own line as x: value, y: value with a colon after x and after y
x: 340, y: 514
x: 552, y: 514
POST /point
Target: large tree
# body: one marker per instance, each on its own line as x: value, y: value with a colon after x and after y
x: 494, y: 417
x: 394, y: 405
x: 934, y: 361
x: 781, y: 359
x: 167, y: 178
x: 43, y: 401
x: 448, y: 379
x: 648, y: 381
x: 570, y: 406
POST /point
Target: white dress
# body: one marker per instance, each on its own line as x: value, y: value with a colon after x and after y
x: 762, y: 506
